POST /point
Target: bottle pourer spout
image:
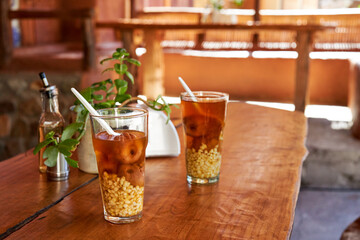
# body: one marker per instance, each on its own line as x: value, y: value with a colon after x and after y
x: 44, y: 79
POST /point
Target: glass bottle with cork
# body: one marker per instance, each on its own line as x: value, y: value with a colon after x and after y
x: 51, y: 118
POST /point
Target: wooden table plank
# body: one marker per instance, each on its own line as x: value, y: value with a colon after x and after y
x: 254, y: 199
x: 25, y: 192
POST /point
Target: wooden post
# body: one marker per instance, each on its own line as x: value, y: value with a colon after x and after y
x: 127, y: 9
x: 153, y: 70
x: 200, y: 38
x: 303, y: 42
x: 129, y: 45
x: 89, y: 51
x: 136, y: 6
x: 255, y: 37
x: 354, y: 97
x: 6, y: 45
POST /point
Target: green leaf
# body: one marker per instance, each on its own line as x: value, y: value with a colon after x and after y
x: 238, y: 2
x: 82, y: 115
x: 72, y: 162
x: 119, y: 83
x: 69, y: 144
x: 49, y: 134
x: 51, y: 154
x: 102, y: 83
x: 122, y: 98
x: 97, y: 84
x: 107, y: 69
x: 123, y: 68
x: 70, y: 130
x: 121, y: 86
x: 122, y: 52
x: 86, y: 93
x: 110, y: 88
x: 41, y: 145
x: 109, y: 94
x: 105, y: 59
x: 64, y: 151
x: 120, y: 68
x: 133, y: 61
x: 102, y: 87
x: 130, y: 76
x: 107, y: 104
x: 108, y: 81
x: 117, y: 68
x: 116, y: 55
x: 98, y: 97
x: 65, y: 147
x: 167, y: 109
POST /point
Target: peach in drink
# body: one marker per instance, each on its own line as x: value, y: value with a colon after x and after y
x: 121, y: 164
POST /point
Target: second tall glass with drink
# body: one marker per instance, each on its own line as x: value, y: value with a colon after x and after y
x: 203, y: 118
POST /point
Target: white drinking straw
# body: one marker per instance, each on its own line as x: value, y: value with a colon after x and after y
x: 187, y: 89
x: 93, y: 112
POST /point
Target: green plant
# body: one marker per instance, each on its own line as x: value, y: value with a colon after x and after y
x: 239, y: 3
x: 65, y: 145
x: 217, y: 4
x: 103, y: 94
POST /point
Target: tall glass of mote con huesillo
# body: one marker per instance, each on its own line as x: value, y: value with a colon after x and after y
x: 203, y: 118
x: 121, y: 161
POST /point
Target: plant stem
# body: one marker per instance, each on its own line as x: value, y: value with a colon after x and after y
x: 140, y: 99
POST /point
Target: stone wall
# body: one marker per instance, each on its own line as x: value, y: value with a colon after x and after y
x: 20, y: 107
x: 334, y: 156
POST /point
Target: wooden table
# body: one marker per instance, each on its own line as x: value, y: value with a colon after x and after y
x: 153, y: 76
x: 254, y: 199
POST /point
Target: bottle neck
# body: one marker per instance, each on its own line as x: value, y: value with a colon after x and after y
x: 50, y: 104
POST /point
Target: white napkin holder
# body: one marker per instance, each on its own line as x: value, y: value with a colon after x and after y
x: 163, y: 139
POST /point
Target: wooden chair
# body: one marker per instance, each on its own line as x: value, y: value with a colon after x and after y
x: 87, y: 25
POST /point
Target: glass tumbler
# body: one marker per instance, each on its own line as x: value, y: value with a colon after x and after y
x: 121, y: 161
x: 203, y: 117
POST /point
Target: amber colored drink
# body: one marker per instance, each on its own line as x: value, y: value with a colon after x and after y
x: 121, y: 165
x: 204, y: 121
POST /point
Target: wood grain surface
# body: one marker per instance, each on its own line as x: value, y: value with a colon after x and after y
x: 24, y: 192
x: 254, y: 199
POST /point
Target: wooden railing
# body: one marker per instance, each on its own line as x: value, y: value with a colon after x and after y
x: 153, y: 31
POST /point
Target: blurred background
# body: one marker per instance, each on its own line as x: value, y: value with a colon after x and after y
x: 66, y: 40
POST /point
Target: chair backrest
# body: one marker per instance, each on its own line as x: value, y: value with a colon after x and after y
x: 87, y: 25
